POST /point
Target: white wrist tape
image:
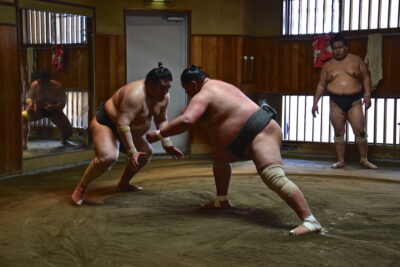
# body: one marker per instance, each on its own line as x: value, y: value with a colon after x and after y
x: 123, y: 128
x: 166, y: 142
x: 158, y: 133
x: 131, y: 151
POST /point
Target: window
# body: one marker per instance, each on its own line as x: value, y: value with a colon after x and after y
x: 298, y: 124
x: 43, y: 27
x: 324, y: 16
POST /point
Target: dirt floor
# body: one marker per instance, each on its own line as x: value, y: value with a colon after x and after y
x: 163, y: 225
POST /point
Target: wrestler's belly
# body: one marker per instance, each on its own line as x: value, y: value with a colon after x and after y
x: 221, y: 136
x: 348, y: 86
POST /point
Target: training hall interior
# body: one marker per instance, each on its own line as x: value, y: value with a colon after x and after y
x: 273, y: 51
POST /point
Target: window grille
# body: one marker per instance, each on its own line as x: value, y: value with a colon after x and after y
x: 324, y: 16
x: 44, y: 27
x: 76, y: 110
x: 298, y: 124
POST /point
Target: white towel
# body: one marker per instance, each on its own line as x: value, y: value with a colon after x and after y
x: 374, y: 59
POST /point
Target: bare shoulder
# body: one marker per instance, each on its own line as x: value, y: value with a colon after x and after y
x: 56, y: 84
x: 133, y: 92
x: 355, y: 58
x: 328, y: 64
x: 34, y: 84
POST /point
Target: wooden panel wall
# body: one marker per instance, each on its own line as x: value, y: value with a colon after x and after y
x: 75, y: 72
x: 219, y: 56
x: 110, y: 65
x: 10, y: 107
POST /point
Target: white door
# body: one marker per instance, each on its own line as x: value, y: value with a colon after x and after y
x: 153, y: 39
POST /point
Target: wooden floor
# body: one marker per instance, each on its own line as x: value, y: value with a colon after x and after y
x: 163, y: 225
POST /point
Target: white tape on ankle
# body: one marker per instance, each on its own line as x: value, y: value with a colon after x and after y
x: 222, y: 198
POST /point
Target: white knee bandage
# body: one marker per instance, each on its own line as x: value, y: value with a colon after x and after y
x: 274, y: 177
x: 361, y: 139
x: 338, y: 139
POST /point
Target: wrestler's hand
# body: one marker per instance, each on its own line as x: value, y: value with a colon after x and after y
x: 135, y: 158
x: 174, y: 152
x: 32, y: 107
x: 314, y: 110
x: 152, y: 136
x: 367, y: 102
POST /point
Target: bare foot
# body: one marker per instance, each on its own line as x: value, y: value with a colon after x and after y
x: 338, y: 165
x: 216, y: 204
x: 78, y: 194
x: 308, y: 226
x: 67, y: 143
x: 129, y: 187
x: 368, y: 164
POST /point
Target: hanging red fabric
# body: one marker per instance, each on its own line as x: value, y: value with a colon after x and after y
x: 322, y: 49
x: 58, y: 57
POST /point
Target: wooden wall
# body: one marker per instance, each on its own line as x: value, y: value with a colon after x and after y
x: 219, y: 56
x: 10, y: 107
x: 110, y: 65
x: 75, y: 72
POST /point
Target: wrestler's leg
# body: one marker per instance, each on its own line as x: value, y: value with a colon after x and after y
x: 141, y: 145
x: 338, y: 120
x: 357, y: 121
x: 222, y: 171
x: 267, y: 159
x: 62, y: 123
x: 28, y: 115
x: 106, y: 149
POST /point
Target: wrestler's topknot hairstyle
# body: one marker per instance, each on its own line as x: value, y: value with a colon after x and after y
x: 193, y: 73
x: 338, y: 38
x: 158, y: 74
x: 41, y: 74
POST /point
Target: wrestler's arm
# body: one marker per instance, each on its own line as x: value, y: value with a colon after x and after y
x: 128, y: 110
x: 196, y: 108
x: 62, y: 97
x: 320, y: 90
x: 366, y: 81
x: 31, y: 97
x: 161, y: 121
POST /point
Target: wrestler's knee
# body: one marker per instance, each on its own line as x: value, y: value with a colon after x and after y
x: 361, y: 137
x: 147, y: 158
x: 105, y: 162
x: 338, y: 139
x: 274, y: 177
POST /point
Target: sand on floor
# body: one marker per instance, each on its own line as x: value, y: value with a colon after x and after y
x: 163, y: 225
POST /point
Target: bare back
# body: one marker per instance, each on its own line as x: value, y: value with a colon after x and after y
x: 47, y: 93
x: 130, y: 105
x: 344, y: 77
x: 227, y: 111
